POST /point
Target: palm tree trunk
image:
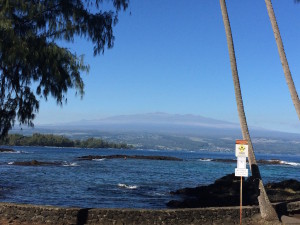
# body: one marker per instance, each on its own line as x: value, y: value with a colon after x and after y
x: 266, y: 209
x: 284, y: 62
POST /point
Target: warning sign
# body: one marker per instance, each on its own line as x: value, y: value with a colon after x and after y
x: 241, y: 148
x: 241, y: 172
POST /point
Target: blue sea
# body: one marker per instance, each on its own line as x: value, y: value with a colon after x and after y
x: 118, y: 183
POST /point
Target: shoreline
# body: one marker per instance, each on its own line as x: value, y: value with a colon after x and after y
x: 14, y: 214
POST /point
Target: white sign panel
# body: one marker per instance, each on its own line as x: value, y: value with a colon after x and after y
x: 241, y: 172
x: 241, y: 162
x: 241, y: 150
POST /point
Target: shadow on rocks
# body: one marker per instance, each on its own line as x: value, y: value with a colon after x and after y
x: 82, y: 216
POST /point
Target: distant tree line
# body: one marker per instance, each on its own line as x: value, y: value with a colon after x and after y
x: 58, y: 141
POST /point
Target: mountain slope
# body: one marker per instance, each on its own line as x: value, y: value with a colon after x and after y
x: 172, y: 131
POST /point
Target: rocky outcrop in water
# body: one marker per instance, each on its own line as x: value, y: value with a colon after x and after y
x: 93, y: 157
x: 35, y: 163
x: 6, y: 150
x: 226, y: 192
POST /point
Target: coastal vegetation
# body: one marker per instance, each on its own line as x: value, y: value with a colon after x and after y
x: 58, y: 141
x: 31, y: 51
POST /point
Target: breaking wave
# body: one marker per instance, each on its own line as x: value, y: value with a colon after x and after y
x: 99, y: 159
x: 15, y: 152
x: 205, y: 160
x: 69, y: 164
x: 290, y: 163
x: 127, y: 186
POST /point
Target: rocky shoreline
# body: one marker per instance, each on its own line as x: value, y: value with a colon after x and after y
x: 226, y: 192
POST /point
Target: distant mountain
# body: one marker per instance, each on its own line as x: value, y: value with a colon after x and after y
x: 172, y: 131
x: 165, y: 123
x: 153, y: 122
x: 165, y: 119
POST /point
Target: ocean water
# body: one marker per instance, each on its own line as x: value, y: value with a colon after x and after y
x: 118, y: 183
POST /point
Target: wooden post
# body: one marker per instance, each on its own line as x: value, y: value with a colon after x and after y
x: 241, y: 200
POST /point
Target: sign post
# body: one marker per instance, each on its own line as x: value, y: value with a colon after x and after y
x: 241, y: 152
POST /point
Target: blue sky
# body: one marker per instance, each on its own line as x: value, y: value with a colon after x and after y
x: 172, y: 56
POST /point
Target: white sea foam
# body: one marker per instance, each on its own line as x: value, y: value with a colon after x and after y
x: 290, y: 163
x: 127, y: 186
x: 17, y: 152
x: 157, y: 194
x: 276, y: 161
x: 25, y: 152
x: 152, y: 150
x: 205, y: 160
x: 99, y: 159
x: 70, y: 164
x: 10, y: 163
